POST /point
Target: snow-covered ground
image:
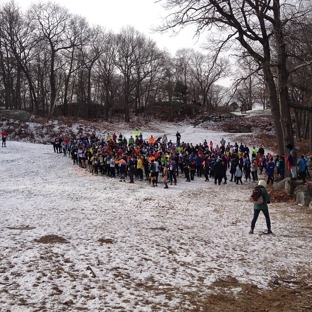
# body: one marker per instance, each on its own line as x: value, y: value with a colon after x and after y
x: 71, y: 241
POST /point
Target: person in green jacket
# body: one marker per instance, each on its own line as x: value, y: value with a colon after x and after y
x: 262, y: 207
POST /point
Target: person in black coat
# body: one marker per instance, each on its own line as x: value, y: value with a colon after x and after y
x: 218, y: 172
x: 131, y: 167
x: 178, y: 135
x: 186, y: 169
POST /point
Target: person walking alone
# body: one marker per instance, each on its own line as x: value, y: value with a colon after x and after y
x: 262, y: 207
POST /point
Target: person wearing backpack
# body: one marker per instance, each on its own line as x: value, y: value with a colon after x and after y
x: 261, y: 205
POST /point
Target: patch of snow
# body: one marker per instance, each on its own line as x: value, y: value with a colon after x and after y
x: 149, y: 248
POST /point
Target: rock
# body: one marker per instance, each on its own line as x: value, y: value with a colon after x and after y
x: 300, y: 188
x: 303, y: 199
x: 290, y: 186
x: 280, y: 185
x: 303, y: 194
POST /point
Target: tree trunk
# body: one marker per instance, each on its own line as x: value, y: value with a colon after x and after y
x: 306, y: 131
x: 52, y: 84
x: 297, y: 125
x: 310, y: 134
x: 285, y: 117
x: 18, y: 88
x: 273, y: 99
x: 282, y: 78
x: 127, y: 95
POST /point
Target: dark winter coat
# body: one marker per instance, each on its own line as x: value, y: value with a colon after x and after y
x: 266, y: 198
x: 218, y: 169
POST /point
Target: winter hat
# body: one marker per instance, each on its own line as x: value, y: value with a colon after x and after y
x: 262, y: 183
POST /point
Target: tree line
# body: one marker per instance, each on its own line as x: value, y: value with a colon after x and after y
x: 53, y: 62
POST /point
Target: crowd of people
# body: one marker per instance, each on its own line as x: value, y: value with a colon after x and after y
x: 159, y: 160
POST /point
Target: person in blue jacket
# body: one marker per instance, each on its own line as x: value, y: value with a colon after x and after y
x: 302, y: 167
x: 270, y: 171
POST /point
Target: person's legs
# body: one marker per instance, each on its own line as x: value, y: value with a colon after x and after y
x: 141, y: 174
x: 254, y: 220
x: 131, y: 175
x: 267, y: 218
x: 270, y: 179
x: 253, y: 176
x: 187, y: 174
x: 293, y: 171
x: 170, y: 176
x: 245, y: 176
x: 302, y: 175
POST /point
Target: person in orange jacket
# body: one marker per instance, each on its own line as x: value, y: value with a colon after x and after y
x: 122, y: 164
x: 151, y: 140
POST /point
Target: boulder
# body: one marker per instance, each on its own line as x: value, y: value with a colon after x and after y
x: 304, y: 198
x: 303, y: 194
x: 301, y: 188
x: 290, y: 186
x: 280, y: 185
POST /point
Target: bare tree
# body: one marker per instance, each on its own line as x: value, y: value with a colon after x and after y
x: 183, y: 74
x: 135, y: 58
x: 249, y: 89
x: 300, y: 89
x: 206, y: 71
x: 105, y: 71
x: 259, y: 28
x: 148, y: 60
x: 150, y: 85
x: 51, y: 22
x: 77, y: 35
x: 11, y: 25
x: 128, y: 41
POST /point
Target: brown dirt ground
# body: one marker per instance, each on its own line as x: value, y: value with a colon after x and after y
x: 283, y: 297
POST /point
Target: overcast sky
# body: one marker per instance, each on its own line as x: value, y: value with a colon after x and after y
x: 143, y: 15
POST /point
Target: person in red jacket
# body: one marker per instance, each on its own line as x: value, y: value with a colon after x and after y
x: 4, y: 136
